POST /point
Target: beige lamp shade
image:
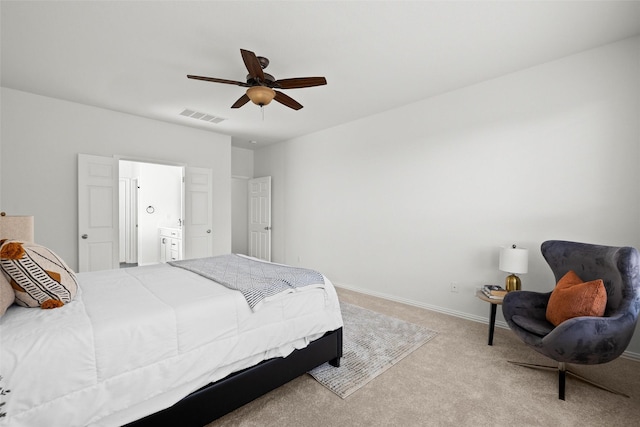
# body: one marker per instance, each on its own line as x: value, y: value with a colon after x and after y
x: 16, y: 227
x: 514, y: 260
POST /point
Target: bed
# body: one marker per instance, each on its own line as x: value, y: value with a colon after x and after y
x: 145, y: 345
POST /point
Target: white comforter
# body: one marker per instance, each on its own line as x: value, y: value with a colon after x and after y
x: 137, y: 340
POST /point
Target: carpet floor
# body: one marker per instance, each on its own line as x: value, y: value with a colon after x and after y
x: 454, y: 380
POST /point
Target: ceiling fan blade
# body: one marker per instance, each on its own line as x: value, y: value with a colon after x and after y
x: 215, y: 80
x: 253, y: 65
x: 287, y: 100
x: 300, y: 82
x: 241, y: 101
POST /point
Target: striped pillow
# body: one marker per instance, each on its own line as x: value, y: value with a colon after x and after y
x: 7, y: 296
x: 38, y: 276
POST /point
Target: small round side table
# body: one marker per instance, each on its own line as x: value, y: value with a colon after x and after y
x: 492, y: 318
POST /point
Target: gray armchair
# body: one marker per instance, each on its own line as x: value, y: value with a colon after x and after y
x: 580, y: 340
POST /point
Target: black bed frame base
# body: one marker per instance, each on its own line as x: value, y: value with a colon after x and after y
x: 217, y: 399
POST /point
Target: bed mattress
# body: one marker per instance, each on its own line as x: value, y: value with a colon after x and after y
x: 137, y: 340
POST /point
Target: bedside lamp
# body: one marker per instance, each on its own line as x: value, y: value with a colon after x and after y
x: 515, y: 261
x: 16, y: 227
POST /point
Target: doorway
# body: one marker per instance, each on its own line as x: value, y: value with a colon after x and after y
x: 151, y: 198
x: 98, y: 212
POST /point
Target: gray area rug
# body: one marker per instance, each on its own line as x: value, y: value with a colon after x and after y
x: 372, y: 343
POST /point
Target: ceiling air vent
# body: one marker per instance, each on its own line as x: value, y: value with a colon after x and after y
x: 202, y: 116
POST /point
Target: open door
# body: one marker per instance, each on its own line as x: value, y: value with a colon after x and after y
x: 97, y: 213
x: 198, y: 215
x: 260, y: 218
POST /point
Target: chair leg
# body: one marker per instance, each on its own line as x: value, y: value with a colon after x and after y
x: 562, y: 375
x: 595, y: 384
x: 534, y: 366
x: 562, y: 379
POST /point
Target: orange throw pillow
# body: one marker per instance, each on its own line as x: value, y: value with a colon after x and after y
x: 573, y: 298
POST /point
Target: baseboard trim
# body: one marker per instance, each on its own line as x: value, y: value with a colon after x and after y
x: 499, y: 323
x: 631, y: 355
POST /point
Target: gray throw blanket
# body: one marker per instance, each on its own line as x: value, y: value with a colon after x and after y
x: 256, y: 280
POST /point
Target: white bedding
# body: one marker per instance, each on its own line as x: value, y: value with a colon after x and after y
x: 137, y: 340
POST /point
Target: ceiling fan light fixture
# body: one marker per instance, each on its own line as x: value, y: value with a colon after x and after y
x: 261, y: 95
x: 260, y: 84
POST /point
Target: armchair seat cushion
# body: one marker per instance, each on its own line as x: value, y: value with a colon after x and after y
x: 539, y: 327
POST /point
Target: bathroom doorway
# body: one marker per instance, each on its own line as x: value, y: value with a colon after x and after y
x: 151, y: 198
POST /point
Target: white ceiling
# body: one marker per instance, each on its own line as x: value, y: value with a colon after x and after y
x: 134, y: 56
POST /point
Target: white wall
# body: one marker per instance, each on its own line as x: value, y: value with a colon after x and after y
x: 41, y: 138
x: 241, y: 162
x: 241, y: 172
x: 403, y: 203
x: 239, y: 216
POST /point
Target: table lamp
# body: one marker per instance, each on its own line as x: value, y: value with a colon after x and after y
x: 16, y: 227
x: 515, y: 261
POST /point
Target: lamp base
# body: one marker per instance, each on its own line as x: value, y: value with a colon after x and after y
x: 512, y: 283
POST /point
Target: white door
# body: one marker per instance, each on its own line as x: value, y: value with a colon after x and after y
x: 260, y: 218
x: 123, y: 206
x: 197, y: 235
x: 97, y: 213
x: 134, y: 222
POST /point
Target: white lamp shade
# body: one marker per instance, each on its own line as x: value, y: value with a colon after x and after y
x: 514, y: 260
x: 16, y: 228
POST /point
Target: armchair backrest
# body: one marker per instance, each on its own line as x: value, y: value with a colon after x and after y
x: 618, y: 267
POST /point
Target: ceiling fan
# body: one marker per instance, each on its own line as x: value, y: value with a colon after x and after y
x: 262, y: 85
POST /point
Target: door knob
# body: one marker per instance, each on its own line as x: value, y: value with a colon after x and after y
x: 267, y: 228
x: 208, y: 231
x: 85, y: 236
